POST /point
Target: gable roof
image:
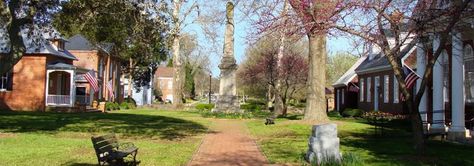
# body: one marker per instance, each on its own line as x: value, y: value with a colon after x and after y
x: 379, y: 62
x: 79, y: 42
x: 164, y: 72
x: 350, y: 74
x: 376, y: 63
x: 30, y: 35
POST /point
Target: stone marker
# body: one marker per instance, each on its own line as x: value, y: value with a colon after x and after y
x: 227, y: 101
x: 323, y: 144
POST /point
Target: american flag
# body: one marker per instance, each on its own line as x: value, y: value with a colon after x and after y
x: 410, y: 79
x: 110, y: 89
x: 411, y: 76
x: 90, y: 77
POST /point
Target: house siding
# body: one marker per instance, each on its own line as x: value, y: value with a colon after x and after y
x: 90, y: 59
x: 347, y: 99
x: 165, y: 84
x: 29, y: 83
x: 390, y: 106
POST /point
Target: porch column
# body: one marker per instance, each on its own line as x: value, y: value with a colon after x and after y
x: 47, y: 88
x: 420, y: 69
x: 457, y: 129
x: 438, y: 91
x: 72, y: 89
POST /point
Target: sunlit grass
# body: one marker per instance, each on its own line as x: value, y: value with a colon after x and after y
x: 287, y: 141
x: 163, y: 137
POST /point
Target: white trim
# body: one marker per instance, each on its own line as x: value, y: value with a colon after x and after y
x: 369, y: 88
x: 375, y: 69
x: 165, y: 78
x: 396, y: 90
x: 72, y: 88
x: 362, y: 90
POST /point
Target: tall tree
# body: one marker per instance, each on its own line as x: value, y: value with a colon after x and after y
x: 311, y: 19
x: 136, y: 29
x: 261, y: 70
x: 179, y: 16
x: 195, y: 61
x: 16, y: 15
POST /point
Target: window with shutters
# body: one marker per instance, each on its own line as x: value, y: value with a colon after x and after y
x: 6, y: 81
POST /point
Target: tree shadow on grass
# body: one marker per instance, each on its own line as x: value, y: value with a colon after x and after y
x: 128, y: 125
x: 396, y: 146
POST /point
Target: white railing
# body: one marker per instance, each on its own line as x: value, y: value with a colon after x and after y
x: 58, y: 100
x: 82, y: 99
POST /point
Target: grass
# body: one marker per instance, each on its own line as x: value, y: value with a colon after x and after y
x: 287, y: 141
x: 163, y: 137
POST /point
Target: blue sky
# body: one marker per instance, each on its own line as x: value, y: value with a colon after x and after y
x: 334, y: 45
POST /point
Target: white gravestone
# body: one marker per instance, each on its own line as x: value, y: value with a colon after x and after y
x: 323, y: 144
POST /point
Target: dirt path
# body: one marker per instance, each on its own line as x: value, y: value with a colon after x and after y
x: 230, y: 144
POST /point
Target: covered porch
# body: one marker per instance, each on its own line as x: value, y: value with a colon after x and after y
x: 60, y: 85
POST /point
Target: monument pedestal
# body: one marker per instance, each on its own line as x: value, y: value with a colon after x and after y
x: 228, y: 104
x: 323, y: 144
x: 227, y: 101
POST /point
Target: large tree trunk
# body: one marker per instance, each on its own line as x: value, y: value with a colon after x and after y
x: 130, y: 79
x: 284, y: 106
x: 17, y: 48
x: 316, y: 97
x: 277, y: 90
x: 178, y: 77
x: 270, y: 97
x: 280, y: 109
x: 417, y: 127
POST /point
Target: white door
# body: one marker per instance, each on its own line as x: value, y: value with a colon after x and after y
x: 376, y: 93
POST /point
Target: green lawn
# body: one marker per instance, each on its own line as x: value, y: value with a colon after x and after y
x: 287, y: 141
x: 163, y: 137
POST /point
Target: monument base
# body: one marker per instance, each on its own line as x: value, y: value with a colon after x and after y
x: 227, y: 104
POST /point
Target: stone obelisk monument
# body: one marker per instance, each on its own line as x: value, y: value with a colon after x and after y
x: 227, y: 100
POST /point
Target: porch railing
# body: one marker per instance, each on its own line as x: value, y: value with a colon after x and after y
x: 82, y: 99
x: 58, y: 100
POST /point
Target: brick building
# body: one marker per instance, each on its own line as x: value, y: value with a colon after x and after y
x: 164, y: 82
x: 43, y: 77
x: 106, y: 65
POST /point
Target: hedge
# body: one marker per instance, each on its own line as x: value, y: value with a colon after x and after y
x: 349, y: 112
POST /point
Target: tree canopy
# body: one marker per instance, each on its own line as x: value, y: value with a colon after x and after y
x: 138, y: 31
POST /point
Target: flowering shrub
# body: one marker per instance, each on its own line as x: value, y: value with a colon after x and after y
x: 380, y: 116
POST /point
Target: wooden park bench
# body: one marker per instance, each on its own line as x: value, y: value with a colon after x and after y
x: 110, y: 151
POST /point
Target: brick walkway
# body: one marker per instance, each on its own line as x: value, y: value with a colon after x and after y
x: 230, y: 144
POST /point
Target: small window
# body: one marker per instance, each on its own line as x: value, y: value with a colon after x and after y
x: 369, y: 89
x: 386, y: 80
x: 469, y: 73
x: 101, y: 67
x: 395, y: 90
x: 111, y: 70
x: 6, y: 81
x: 342, y: 96
x: 446, y: 81
x: 361, y: 91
